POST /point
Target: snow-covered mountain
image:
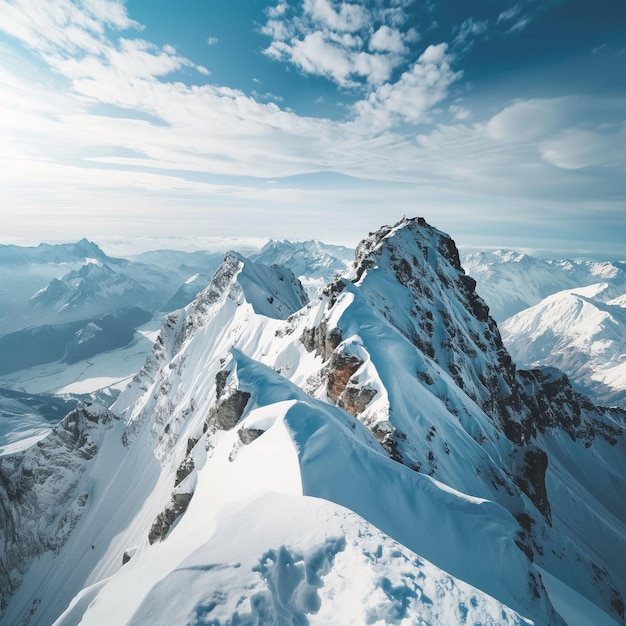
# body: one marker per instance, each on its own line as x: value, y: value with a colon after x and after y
x: 187, y: 292
x: 57, y: 284
x: 26, y: 270
x: 370, y: 457
x: 582, y: 332
x: 512, y: 281
x: 313, y: 262
x: 98, y: 288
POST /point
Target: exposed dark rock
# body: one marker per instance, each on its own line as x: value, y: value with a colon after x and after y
x: 551, y: 400
x: 553, y: 403
x: 229, y: 410
x: 43, y: 483
x: 333, y: 289
x: 531, y: 464
x: 388, y: 437
x: 164, y: 520
x: 248, y: 435
x: 342, y: 366
x: 220, y: 382
x: 184, y: 469
x: 321, y: 339
x: 355, y: 399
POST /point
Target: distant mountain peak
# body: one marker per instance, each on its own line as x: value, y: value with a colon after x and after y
x: 88, y: 249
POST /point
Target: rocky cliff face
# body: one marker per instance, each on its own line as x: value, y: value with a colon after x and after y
x: 43, y: 491
x: 392, y: 395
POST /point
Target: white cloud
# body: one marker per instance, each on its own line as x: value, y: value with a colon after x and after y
x: 509, y: 14
x: 459, y: 112
x: 526, y: 120
x: 322, y: 55
x: 387, y: 39
x: 347, y: 18
x: 578, y: 148
x: 414, y: 94
x: 469, y: 30
x: 341, y: 41
x: 211, y: 41
x: 519, y: 25
x: 151, y: 141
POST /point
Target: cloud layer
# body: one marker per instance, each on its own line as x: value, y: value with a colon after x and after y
x: 91, y: 109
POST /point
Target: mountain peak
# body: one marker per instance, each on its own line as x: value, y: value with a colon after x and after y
x: 88, y: 249
x: 405, y: 241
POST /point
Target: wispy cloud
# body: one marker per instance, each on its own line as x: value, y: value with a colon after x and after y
x: 509, y: 14
x: 468, y: 31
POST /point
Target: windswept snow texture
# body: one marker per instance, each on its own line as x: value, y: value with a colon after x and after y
x: 511, y: 281
x: 371, y: 457
x: 582, y: 332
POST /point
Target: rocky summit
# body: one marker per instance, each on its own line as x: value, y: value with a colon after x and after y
x: 372, y: 456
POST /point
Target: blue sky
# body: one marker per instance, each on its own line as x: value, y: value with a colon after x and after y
x: 502, y: 122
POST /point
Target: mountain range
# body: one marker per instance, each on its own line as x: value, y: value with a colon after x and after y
x: 370, y: 456
x: 581, y: 331
x: 512, y: 281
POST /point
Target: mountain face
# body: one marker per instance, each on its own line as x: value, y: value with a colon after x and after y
x: 187, y: 292
x: 580, y: 331
x: 511, y: 281
x: 98, y: 288
x: 372, y: 456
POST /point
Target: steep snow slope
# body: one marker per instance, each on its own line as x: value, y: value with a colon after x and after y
x: 511, y: 281
x: 390, y: 395
x: 582, y: 332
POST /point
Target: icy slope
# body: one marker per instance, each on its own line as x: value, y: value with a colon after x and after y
x: 390, y: 395
x: 582, y: 332
x: 511, y: 281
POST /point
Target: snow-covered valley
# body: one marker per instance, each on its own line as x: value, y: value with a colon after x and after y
x: 370, y: 457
